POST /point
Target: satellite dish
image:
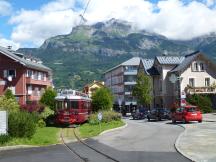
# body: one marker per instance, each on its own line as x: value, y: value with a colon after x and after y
x: 9, y: 78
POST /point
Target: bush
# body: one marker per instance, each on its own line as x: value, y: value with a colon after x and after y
x: 33, y: 107
x: 9, y: 104
x: 102, y: 99
x: 108, y: 116
x: 22, y: 124
x: 41, y: 123
x: 203, y: 102
x: 46, y: 113
x: 4, y: 139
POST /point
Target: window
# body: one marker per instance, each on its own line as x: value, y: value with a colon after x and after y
x: 207, y: 82
x: 10, y: 72
x: 191, y: 82
x: 201, y: 67
x: 28, y: 73
x: 196, y: 67
x: 74, y: 104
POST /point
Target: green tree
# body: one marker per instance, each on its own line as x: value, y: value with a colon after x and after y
x: 102, y: 99
x: 48, y: 98
x: 142, y: 90
x: 9, y: 104
x: 9, y: 95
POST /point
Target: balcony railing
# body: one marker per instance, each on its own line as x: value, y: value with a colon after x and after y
x: 200, y: 90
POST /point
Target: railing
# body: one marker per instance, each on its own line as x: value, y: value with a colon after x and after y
x: 200, y: 90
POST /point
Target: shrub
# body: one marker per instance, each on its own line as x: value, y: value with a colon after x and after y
x: 4, y: 139
x: 22, y: 124
x: 108, y: 116
x: 203, y: 102
x: 41, y: 123
x: 102, y: 99
x: 33, y: 107
x: 9, y: 104
x: 46, y: 113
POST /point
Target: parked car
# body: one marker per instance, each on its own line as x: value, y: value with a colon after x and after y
x: 138, y: 113
x: 187, y: 114
x: 158, y: 114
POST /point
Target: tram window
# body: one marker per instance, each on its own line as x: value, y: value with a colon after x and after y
x: 68, y: 105
x: 74, y: 104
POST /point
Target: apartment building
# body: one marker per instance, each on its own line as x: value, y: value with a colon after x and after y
x: 121, y: 79
x: 26, y: 76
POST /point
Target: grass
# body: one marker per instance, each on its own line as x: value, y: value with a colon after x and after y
x: 43, y: 136
x: 87, y: 130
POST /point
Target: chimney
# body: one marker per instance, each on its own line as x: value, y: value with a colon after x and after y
x: 9, y: 47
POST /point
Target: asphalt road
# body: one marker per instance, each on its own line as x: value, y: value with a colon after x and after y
x: 140, y: 141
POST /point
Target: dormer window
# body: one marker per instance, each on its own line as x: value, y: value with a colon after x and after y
x: 198, y: 66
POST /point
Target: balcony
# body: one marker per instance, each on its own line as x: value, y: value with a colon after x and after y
x: 128, y: 93
x: 130, y: 72
x: 200, y: 90
x: 130, y: 83
x: 38, y: 82
x: 130, y: 102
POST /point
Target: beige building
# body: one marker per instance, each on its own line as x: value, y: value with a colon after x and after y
x: 175, y: 77
x: 92, y: 87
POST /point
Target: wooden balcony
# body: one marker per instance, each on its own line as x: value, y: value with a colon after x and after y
x: 201, y: 90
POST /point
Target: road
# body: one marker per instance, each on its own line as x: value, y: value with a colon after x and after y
x: 140, y: 141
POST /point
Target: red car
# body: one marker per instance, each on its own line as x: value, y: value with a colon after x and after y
x: 187, y: 114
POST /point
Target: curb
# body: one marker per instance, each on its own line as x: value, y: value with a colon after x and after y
x: 178, y: 141
x: 110, y: 130
x: 5, y: 148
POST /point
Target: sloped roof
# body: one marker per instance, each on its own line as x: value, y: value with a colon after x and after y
x: 148, y: 67
x: 170, y: 60
x: 187, y: 61
x: 12, y: 54
x: 134, y: 61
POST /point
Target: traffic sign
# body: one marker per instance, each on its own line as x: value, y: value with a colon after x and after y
x: 100, y: 116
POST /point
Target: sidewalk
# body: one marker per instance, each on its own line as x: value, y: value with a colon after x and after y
x: 198, y: 141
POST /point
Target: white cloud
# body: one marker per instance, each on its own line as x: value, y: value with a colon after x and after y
x: 5, y: 8
x: 173, y: 18
x: 5, y: 43
x: 52, y: 19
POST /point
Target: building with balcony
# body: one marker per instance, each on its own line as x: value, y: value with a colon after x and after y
x: 121, y: 79
x: 26, y: 76
x: 174, y: 77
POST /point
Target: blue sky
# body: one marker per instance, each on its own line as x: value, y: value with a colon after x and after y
x: 25, y: 23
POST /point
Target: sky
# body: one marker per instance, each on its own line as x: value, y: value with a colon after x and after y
x: 25, y: 23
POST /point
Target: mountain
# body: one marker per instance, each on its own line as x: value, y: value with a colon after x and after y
x: 84, y: 54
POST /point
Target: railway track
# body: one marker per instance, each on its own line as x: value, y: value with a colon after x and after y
x: 75, y: 152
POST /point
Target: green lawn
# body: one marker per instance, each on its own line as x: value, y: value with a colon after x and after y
x: 88, y: 130
x: 43, y: 136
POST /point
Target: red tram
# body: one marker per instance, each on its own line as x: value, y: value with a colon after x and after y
x: 72, y: 107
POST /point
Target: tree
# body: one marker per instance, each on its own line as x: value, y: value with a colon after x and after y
x: 9, y: 104
x: 102, y: 99
x: 9, y: 95
x: 48, y: 98
x: 142, y: 90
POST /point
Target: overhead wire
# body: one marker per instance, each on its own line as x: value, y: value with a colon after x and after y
x: 82, y: 15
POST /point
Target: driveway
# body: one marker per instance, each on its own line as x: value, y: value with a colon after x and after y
x: 140, y: 141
